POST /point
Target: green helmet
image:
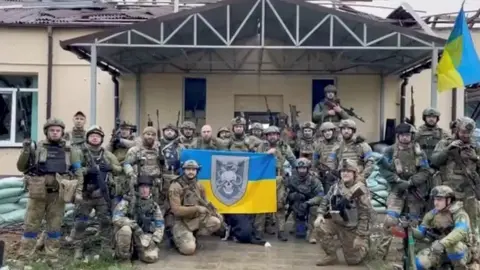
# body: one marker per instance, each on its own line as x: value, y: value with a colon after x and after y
x: 95, y: 129
x: 257, y: 126
x: 327, y: 126
x: 309, y: 125
x: 272, y: 129
x: 348, y: 123
x: 170, y: 126
x: 188, y: 125
x: 190, y: 164
x: 442, y: 191
x: 238, y: 121
x: 349, y: 165
x: 466, y: 123
x: 430, y: 112
x: 53, y: 122
x: 330, y: 88
x: 303, y: 163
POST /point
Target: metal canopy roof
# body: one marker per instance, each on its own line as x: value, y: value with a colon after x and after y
x: 298, y: 37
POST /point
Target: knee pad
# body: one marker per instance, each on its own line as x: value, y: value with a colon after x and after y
x: 187, y: 248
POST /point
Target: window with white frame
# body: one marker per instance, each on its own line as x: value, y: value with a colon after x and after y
x: 18, y: 109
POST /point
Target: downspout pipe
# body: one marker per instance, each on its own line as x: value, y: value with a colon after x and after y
x: 116, y: 97
x: 49, y: 71
x: 403, y: 93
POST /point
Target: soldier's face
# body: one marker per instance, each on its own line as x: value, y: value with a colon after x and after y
x: 94, y: 139
x: 190, y: 173
x: 169, y: 133
x: 144, y: 191
x: 328, y: 134
x: 302, y: 171
x: 431, y: 120
x: 78, y: 121
x: 405, y: 138
x: 188, y: 132
x: 257, y: 132
x: 464, y: 135
x: 54, y: 133
x: 206, y: 133
x: 440, y: 203
x: 308, y: 133
x: 347, y: 176
x: 347, y: 132
x: 222, y: 134
x: 273, y: 137
x: 125, y: 132
x: 330, y: 95
x: 238, y: 129
x: 149, y: 137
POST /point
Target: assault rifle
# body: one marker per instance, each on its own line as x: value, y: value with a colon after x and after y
x: 411, y: 121
x: 350, y: 111
x: 159, y: 132
x: 178, y: 119
x: 404, y: 231
x: 473, y: 177
x: 115, y: 135
x: 294, y: 117
x: 149, y: 121
x: 27, y: 134
x: 101, y: 179
x: 271, y: 120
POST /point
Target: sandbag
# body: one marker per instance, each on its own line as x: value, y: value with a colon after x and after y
x: 382, y: 194
x: 23, y: 202
x: 377, y: 204
x: 9, y: 207
x: 10, y: 200
x: 25, y: 195
x: 11, y: 182
x: 69, y: 207
x: 380, y: 209
x: 68, y: 214
x: 378, y: 188
x: 14, y: 217
x: 11, y: 192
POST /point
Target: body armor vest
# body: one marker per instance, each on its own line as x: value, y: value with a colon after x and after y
x: 325, y: 148
x: 428, y: 137
x: 351, y: 150
x: 120, y: 151
x: 144, y: 214
x: 306, y: 147
x: 188, y: 142
x: 151, y: 165
x: 405, y: 161
x: 201, y: 144
x: 53, y: 159
x: 77, y: 136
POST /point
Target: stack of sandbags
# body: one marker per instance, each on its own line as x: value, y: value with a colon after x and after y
x: 379, y: 187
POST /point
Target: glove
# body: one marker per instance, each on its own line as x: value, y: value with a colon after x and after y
x: 201, y: 209
x: 437, y: 248
x: 78, y: 198
x: 105, y: 167
x: 145, y: 240
x: 455, y: 144
x: 402, y: 184
x: 157, y: 237
x: 295, y: 196
x: 92, y: 170
x: 320, y: 219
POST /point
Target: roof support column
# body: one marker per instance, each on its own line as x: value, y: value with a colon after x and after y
x: 433, y: 90
x: 382, y: 107
x: 93, y: 84
x: 138, y: 98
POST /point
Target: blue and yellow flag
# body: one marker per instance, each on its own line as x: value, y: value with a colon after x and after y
x: 237, y: 182
x: 459, y: 64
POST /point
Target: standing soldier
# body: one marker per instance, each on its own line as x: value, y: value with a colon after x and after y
x: 458, y: 161
x: 224, y: 133
x: 93, y: 193
x: 143, y: 160
x: 353, y: 147
x: 187, y: 134
x: 282, y: 151
x: 257, y: 130
x: 77, y: 135
x: 188, y: 215
x: 170, y: 155
x: 206, y: 140
x: 329, y: 139
x: 350, y: 217
x: 52, y: 162
x: 141, y: 222
x: 407, y: 172
x: 429, y: 134
x: 240, y: 141
x: 305, y: 145
x: 329, y: 110
x: 305, y: 192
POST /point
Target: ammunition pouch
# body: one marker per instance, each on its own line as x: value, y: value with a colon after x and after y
x: 120, y: 185
x: 37, y: 188
x: 67, y: 188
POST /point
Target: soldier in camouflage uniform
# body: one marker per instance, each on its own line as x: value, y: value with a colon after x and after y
x: 206, y: 141
x: 257, y: 130
x: 323, y: 113
x: 170, y: 148
x: 141, y: 222
x: 329, y: 139
x: 145, y: 160
x: 450, y: 225
x: 54, y: 161
x: 188, y: 215
x: 352, y: 147
x: 458, y: 161
x: 240, y: 141
x: 305, y: 192
x: 429, y: 134
x: 282, y: 151
x: 99, y: 165
x: 306, y: 144
x: 406, y: 169
x: 187, y: 134
x: 77, y: 135
x: 224, y: 133
x: 338, y: 217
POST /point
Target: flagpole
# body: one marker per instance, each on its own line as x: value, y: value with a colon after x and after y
x: 433, y: 68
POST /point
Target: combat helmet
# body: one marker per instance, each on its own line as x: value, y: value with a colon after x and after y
x: 190, y: 164
x: 327, y: 126
x: 330, y: 88
x: 348, y: 123
x: 404, y: 128
x: 349, y: 165
x: 256, y: 125
x: 95, y: 130
x: 170, y: 126
x: 238, y: 121
x: 309, y: 125
x: 466, y: 123
x: 271, y: 129
x: 303, y: 163
x: 53, y: 122
x: 144, y: 180
x: 430, y: 112
x: 222, y: 129
x: 188, y: 125
x: 442, y: 191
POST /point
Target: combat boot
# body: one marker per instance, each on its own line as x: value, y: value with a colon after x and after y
x: 311, y: 237
x: 327, y: 260
x: 78, y: 255
x: 258, y: 235
x: 282, y: 237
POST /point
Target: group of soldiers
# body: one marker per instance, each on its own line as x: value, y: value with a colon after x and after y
x: 140, y: 197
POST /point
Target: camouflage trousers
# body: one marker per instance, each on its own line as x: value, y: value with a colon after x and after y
x: 124, y: 246
x: 395, y: 208
x: 260, y: 219
x: 166, y: 181
x: 470, y: 204
x: 355, y: 247
x: 458, y: 255
x: 102, y: 212
x: 184, y: 238
x: 52, y: 210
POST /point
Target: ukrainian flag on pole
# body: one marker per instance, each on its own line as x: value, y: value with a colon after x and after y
x: 237, y: 182
x: 459, y: 65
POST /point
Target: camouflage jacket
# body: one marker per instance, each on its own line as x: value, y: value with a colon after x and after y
x: 283, y: 152
x: 122, y: 216
x: 309, y: 185
x: 355, y: 149
x: 428, y: 137
x: 143, y: 160
x: 320, y: 114
x: 323, y: 149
